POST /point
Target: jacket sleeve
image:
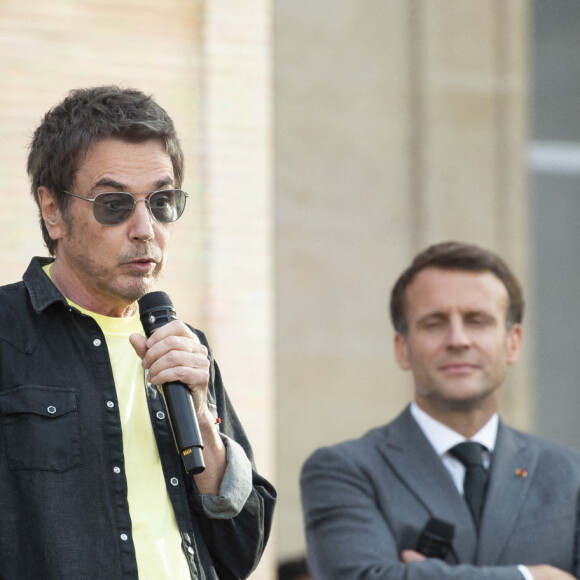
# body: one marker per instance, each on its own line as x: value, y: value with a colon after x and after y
x: 235, y: 525
x: 349, y: 539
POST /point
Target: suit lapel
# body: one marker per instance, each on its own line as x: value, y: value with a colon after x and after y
x: 512, y: 472
x: 419, y: 467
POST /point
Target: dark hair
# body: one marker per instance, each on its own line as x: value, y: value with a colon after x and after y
x: 83, y: 117
x: 457, y: 256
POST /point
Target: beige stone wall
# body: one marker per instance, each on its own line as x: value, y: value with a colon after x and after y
x: 397, y: 124
x: 237, y: 196
x: 208, y: 64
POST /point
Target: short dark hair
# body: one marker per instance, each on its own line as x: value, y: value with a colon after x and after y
x: 83, y: 117
x: 457, y: 256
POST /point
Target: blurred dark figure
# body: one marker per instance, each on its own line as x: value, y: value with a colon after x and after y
x: 296, y: 569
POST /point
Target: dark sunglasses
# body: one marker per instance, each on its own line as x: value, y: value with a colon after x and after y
x: 113, y: 208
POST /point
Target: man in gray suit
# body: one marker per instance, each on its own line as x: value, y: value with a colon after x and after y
x: 402, y: 502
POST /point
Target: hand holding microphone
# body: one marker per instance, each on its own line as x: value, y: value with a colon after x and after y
x: 175, y: 359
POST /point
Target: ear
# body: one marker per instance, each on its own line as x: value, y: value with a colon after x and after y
x: 402, y: 351
x: 514, y: 343
x: 51, y: 215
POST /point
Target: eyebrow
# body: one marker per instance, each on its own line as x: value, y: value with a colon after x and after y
x: 106, y: 182
x: 114, y: 184
x: 438, y: 315
x: 432, y: 316
x: 481, y: 313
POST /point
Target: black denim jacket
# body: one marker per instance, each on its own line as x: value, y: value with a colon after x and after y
x: 64, y: 513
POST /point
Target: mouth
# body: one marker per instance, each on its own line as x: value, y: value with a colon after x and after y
x: 458, y: 368
x: 144, y: 265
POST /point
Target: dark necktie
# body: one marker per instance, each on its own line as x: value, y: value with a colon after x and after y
x: 475, y: 482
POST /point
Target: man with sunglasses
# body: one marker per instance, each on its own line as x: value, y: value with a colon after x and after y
x: 91, y: 484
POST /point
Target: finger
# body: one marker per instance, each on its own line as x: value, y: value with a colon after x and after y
x: 189, y: 368
x: 196, y: 380
x: 411, y: 556
x: 173, y: 328
x: 174, y: 351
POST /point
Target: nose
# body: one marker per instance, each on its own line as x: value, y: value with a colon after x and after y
x: 458, y: 336
x: 141, y: 221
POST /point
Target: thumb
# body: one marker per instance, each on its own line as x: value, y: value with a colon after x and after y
x: 138, y: 342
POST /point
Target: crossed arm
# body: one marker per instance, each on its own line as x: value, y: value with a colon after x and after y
x: 540, y: 572
x: 349, y: 538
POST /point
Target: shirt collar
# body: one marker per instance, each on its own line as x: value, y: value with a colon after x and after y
x: 442, y: 438
x: 40, y: 288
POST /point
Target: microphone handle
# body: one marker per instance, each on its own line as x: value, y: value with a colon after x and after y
x: 433, y: 547
x: 185, y: 427
x: 436, y: 540
x: 156, y: 311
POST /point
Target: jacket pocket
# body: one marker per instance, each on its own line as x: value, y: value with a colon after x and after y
x: 40, y: 427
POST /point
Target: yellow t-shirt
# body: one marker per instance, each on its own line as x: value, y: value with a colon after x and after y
x: 155, y: 532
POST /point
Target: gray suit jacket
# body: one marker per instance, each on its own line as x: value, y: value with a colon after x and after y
x: 367, y: 500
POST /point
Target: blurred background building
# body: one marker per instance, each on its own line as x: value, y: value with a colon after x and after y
x: 327, y: 142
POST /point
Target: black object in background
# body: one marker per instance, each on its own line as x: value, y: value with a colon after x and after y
x: 156, y: 310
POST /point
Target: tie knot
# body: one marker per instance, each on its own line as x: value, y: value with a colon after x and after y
x: 469, y: 453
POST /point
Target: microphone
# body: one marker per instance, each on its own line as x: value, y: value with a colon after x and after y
x: 435, y: 539
x: 156, y: 310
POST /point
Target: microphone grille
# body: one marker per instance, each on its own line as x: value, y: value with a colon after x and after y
x: 439, y: 528
x: 154, y: 300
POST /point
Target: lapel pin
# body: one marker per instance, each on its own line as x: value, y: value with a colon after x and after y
x: 521, y: 472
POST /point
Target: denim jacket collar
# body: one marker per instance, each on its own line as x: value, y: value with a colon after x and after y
x: 40, y: 287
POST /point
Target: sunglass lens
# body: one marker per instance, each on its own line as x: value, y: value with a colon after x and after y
x: 168, y: 205
x: 111, y: 209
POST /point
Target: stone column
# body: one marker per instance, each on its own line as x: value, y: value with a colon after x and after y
x: 398, y: 123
